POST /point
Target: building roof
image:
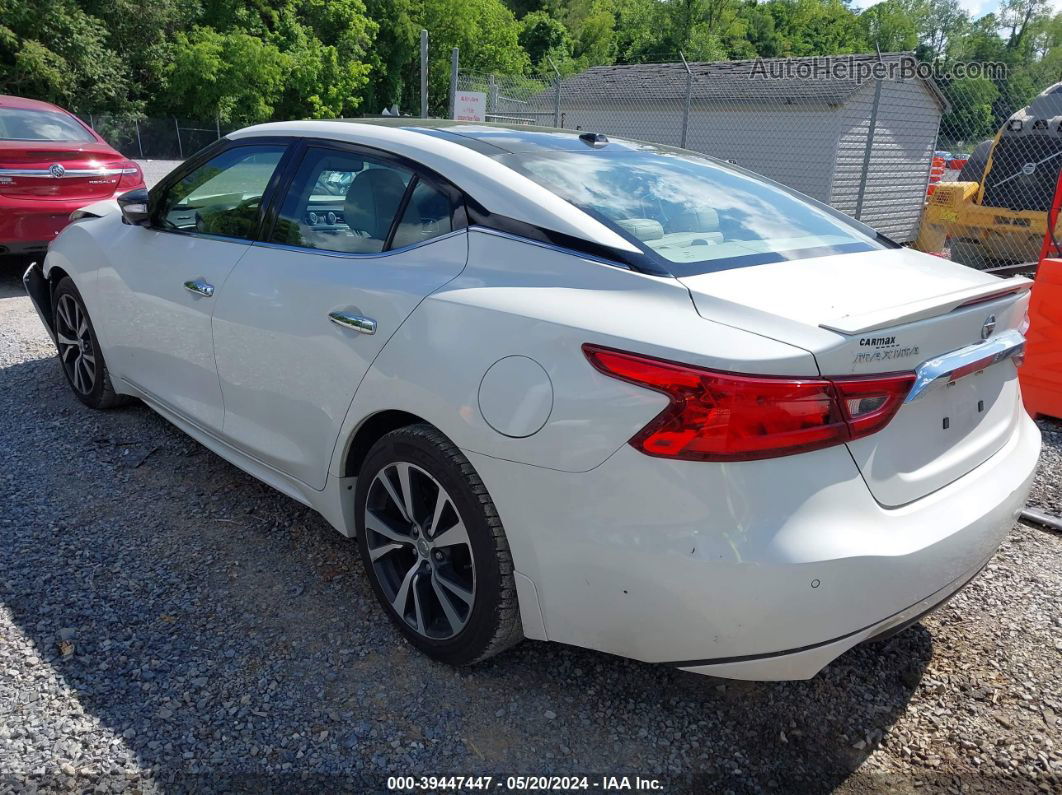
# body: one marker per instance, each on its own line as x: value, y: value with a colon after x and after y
x: 828, y: 80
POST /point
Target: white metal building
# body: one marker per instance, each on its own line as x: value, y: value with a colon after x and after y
x: 862, y: 147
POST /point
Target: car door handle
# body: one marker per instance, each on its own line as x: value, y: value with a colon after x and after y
x: 200, y: 287
x: 366, y: 325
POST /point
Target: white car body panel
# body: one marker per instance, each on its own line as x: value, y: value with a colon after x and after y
x: 516, y: 308
x: 925, y: 294
x: 288, y: 373
x: 740, y: 560
x: 762, y: 569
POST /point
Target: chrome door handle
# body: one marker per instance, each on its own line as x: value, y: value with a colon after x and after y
x: 200, y: 287
x: 366, y: 325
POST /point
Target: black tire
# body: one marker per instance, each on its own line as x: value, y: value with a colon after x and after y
x: 92, y: 385
x: 974, y: 170
x: 431, y: 461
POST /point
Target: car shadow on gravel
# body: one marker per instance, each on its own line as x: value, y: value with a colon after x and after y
x: 211, y: 632
x: 11, y: 270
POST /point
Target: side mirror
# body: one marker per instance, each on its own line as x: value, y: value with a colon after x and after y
x: 134, y: 206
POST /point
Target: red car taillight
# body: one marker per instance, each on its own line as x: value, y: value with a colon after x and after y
x: 721, y: 416
x: 132, y: 176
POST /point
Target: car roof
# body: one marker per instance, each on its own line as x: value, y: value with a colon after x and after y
x: 495, y: 139
x: 25, y: 103
x: 471, y: 163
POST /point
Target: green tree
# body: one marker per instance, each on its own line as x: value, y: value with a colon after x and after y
x: 593, y: 28
x: 545, y: 38
x: 971, y: 117
x: 1018, y: 17
x: 392, y: 54
x: 234, y: 76
x: 889, y: 27
x: 53, y: 50
x: 487, y: 34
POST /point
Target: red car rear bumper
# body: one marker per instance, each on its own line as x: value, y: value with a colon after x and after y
x: 27, y: 226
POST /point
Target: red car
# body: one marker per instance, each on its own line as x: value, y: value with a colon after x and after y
x: 51, y: 163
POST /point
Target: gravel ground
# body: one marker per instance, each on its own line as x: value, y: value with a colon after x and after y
x: 154, y: 170
x: 168, y: 623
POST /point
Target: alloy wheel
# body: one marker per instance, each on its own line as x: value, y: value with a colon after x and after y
x: 419, y: 548
x: 76, y: 350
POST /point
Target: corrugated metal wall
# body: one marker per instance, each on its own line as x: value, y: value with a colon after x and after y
x: 805, y: 143
x: 905, y: 134
x: 794, y: 147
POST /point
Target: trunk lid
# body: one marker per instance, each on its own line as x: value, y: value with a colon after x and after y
x: 890, y: 311
x: 28, y: 169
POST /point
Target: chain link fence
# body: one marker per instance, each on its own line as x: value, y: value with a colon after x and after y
x: 158, y: 139
x: 887, y: 140
x: 959, y: 165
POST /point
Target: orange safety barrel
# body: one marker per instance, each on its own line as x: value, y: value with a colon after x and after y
x: 1041, y: 374
x: 936, y: 173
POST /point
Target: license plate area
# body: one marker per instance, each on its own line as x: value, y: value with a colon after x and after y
x: 951, y: 429
x: 966, y: 401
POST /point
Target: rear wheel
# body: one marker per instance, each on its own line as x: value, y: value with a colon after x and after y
x: 79, y: 349
x: 434, y: 547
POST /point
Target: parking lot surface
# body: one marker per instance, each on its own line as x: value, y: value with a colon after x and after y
x: 167, y: 622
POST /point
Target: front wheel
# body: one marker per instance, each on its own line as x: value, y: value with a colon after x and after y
x: 79, y: 349
x: 434, y: 547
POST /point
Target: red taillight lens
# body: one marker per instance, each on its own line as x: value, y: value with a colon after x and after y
x: 868, y: 403
x: 720, y: 416
x: 132, y: 176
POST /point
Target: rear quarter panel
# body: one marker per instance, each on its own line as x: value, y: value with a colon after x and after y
x: 516, y: 298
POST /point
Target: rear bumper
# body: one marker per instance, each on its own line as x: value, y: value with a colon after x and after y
x: 755, y: 570
x: 28, y: 226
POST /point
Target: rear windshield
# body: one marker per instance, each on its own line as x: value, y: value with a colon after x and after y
x: 21, y: 124
x: 692, y: 213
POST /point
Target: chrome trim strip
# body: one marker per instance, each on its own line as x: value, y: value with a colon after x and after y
x: 44, y: 173
x: 996, y: 349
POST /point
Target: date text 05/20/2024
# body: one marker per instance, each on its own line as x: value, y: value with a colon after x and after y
x: 523, y: 783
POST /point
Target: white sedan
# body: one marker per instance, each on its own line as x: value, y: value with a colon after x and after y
x: 567, y: 388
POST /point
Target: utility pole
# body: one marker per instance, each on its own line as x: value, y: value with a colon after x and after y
x: 424, y: 74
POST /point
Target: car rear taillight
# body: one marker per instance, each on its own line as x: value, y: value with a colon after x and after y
x: 132, y: 176
x: 721, y: 416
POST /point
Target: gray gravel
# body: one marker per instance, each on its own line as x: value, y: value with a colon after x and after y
x: 168, y: 623
x: 154, y: 170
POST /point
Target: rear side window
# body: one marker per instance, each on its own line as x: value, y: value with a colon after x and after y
x: 350, y: 203
x: 223, y: 196
x: 22, y: 124
x: 691, y: 213
x: 341, y: 201
x: 428, y: 214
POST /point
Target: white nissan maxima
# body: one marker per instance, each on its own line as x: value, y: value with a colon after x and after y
x: 567, y: 388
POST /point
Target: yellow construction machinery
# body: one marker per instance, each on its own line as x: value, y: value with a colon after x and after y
x: 996, y: 213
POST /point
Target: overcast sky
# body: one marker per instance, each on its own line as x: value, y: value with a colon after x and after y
x: 975, y: 7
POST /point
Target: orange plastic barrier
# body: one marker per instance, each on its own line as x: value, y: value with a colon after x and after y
x: 1041, y: 375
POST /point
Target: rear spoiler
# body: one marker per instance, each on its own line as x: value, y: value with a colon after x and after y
x: 928, y: 307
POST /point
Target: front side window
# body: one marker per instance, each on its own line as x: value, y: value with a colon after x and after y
x: 22, y: 124
x: 223, y: 196
x: 692, y: 213
x: 343, y: 202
